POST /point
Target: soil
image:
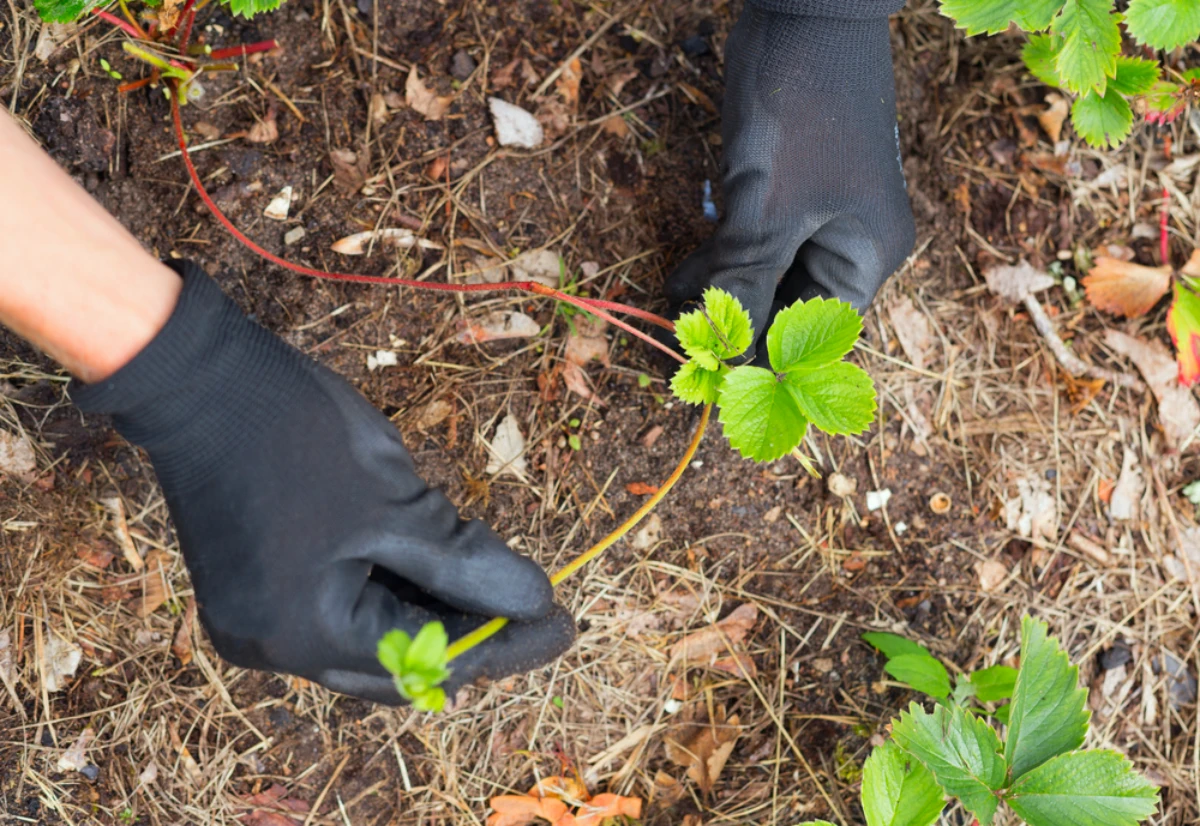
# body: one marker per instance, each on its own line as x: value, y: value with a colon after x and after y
x: 821, y: 567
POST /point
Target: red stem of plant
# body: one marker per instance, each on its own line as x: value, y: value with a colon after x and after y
x: 242, y: 51
x: 187, y: 7
x: 189, y: 18
x: 594, y: 306
x: 134, y: 85
x: 1164, y: 224
x: 119, y: 23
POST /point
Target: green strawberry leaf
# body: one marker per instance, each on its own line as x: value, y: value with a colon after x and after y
x: 1049, y: 715
x: 1084, y: 788
x: 994, y: 683
x: 433, y: 700
x: 893, y: 645
x: 1037, y: 15
x: 812, y: 334
x: 1091, y: 42
x: 838, y: 399
x: 63, y: 11
x: 428, y: 649
x: 922, y: 672
x: 249, y: 8
x: 898, y: 790
x: 719, y: 331
x: 1041, y: 59
x: 391, y: 650
x: 994, y: 16
x: 696, y: 385
x: 962, y: 751
x: 1001, y: 714
x: 1135, y: 75
x: 1102, y: 121
x: 760, y: 417
x: 1164, y: 24
x: 1183, y: 325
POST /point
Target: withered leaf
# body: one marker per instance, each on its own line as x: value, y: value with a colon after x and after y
x: 1125, y: 288
x: 704, y: 746
x: 423, y: 100
x: 701, y: 646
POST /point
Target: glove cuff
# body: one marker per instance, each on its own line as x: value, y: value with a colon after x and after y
x: 206, y: 384
x: 846, y: 9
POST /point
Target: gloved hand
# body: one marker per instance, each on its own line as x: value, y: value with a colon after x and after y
x: 306, y: 530
x: 814, y: 191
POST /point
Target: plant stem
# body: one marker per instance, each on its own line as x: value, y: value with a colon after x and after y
x: 187, y: 7
x: 594, y: 306
x: 119, y: 23
x: 483, y: 632
x: 242, y: 51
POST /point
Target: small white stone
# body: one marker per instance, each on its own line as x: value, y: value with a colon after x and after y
x: 878, y: 499
x: 280, y: 205
x: 381, y: 358
x: 293, y: 236
x: 901, y: 527
x: 515, y: 126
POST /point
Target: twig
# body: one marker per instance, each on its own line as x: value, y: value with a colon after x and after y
x: 1071, y: 362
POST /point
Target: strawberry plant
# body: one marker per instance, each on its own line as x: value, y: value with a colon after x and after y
x: 1038, y: 769
x: 765, y: 415
x: 1076, y: 45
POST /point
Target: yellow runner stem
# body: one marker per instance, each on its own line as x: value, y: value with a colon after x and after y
x: 483, y: 632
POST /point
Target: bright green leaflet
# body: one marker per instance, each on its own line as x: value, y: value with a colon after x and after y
x: 1049, y: 713
x: 893, y: 645
x: 1164, y: 24
x: 418, y: 664
x: 249, y: 8
x: 838, y: 398
x: 1102, y: 121
x: 1001, y: 714
x: 62, y: 11
x: 1041, y: 59
x: 898, y: 790
x: 812, y: 334
x: 1135, y: 75
x: 696, y: 385
x: 718, y: 332
x: 994, y: 16
x: 1091, y: 42
x: 1084, y: 788
x: 922, y: 672
x: 760, y: 418
x: 962, y: 751
x: 994, y: 683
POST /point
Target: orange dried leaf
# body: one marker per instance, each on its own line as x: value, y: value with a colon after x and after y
x: 423, y: 100
x: 704, y: 747
x: 1183, y: 323
x: 701, y: 645
x: 605, y: 806
x: 181, y: 646
x: 567, y: 789
x: 1125, y: 288
x: 154, y: 585
x: 268, y: 808
x: 1192, y: 268
x: 523, y: 810
x: 568, y: 83
x: 641, y: 489
x: 1105, y: 488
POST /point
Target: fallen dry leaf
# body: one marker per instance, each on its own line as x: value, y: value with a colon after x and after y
x: 740, y: 665
x: 497, y: 326
x: 615, y: 126
x: 1052, y: 118
x: 641, y: 489
x: 704, y: 747
x: 397, y: 237
x: 265, y: 130
x: 648, y: 535
x: 433, y: 414
x: 17, y: 458
x: 503, y: 77
x: 577, y: 382
x: 60, y: 660
x: 842, y: 485
x: 700, y: 98
x: 544, y: 266
x: 1125, y: 288
x: 437, y: 168
x: 912, y: 330
x: 1123, y: 503
x: 1192, y: 268
x: 523, y: 810
x: 568, y: 83
x: 667, y: 791
x: 701, y: 646
x: 181, y: 646
x: 587, y: 343
x: 1178, y: 412
x: 1015, y: 282
x: 116, y: 509
x: 616, y: 83
x: 96, y: 556
x: 270, y: 808
x: 280, y: 205
x: 75, y: 758
x: 149, y: 774
x: 424, y: 100
x: 1033, y: 512
x: 991, y: 575
x: 567, y: 789
x: 350, y: 169
x: 652, y: 436
x: 154, y: 585
x: 604, y: 806
x: 507, y: 449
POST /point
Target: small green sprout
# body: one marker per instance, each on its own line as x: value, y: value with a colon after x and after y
x: 113, y: 73
x: 574, y: 442
x: 419, y: 664
x: 643, y: 381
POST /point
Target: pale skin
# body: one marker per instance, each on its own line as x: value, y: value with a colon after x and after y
x: 73, y: 281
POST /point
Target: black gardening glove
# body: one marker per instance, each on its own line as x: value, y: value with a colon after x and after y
x: 305, y: 527
x: 814, y: 192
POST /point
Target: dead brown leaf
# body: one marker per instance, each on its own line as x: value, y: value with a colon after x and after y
x: 1192, y: 268
x: 495, y: 326
x: 1178, y: 412
x: 168, y: 14
x: 555, y: 118
x: 616, y: 126
x: 699, y: 98
x: 617, y: 82
x: 120, y: 527
x: 96, y: 555
x: 913, y: 331
x: 181, y: 646
x: 350, y: 169
x: 568, y: 84
x: 154, y: 585
x: 652, y: 436
x: 433, y: 414
x: 667, y: 791
x: 265, y: 130
x: 503, y: 77
x: 438, y: 167
x: 587, y: 342
x: 1125, y: 288
x: 704, y: 746
x: 423, y: 100
x: 1052, y: 118
x: 992, y: 574
x: 701, y: 646
x: 272, y: 808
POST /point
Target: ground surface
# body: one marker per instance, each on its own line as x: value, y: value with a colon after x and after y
x: 972, y: 405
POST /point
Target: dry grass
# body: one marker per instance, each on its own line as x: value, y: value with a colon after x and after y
x: 983, y: 409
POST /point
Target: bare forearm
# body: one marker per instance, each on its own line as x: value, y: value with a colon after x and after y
x: 73, y: 282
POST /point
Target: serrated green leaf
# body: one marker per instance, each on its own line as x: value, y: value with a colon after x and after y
x: 432, y: 700
x: 1091, y: 42
x: 1049, y: 715
x: 921, y: 672
x: 1102, y: 121
x: 1036, y: 15
x: 249, y: 8
x: 1135, y: 75
x: 816, y: 823
x: 1084, y: 788
x: 898, y: 790
x: 62, y: 11
x: 812, y: 333
x: 1040, y: 55
x: 1183, y: 325
x: 696, y: 385
x: 760, y: 417
x: 994, y: 683
x: 1164, y: 24
x: 838, y: 398
x: 893, y: 645
x: 1001, y: 714
x: 428, y: 648
x: 391, y: 650
x: 719, y: 331
x: 962, y: 751
x: 994, y: 16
